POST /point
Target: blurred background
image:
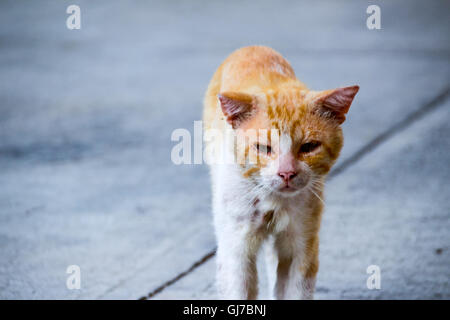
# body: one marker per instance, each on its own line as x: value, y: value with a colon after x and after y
x: 86, y: 118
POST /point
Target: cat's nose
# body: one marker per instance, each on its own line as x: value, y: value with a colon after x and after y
x: 287, y: 175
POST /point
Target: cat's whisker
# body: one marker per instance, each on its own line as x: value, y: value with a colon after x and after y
x: 317, y: 184
x: 257, y: 191
x: 317, y: 189
x: 317, y: 180
x: 318, y: 197
x: 267, y: 100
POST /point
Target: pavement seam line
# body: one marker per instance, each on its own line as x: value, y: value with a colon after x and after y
x: 393, y: 130
x: 398, y: 127
x: 168, y: 283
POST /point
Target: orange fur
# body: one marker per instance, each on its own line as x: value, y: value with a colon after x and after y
x: 261, y: 77
x: 283, y: 102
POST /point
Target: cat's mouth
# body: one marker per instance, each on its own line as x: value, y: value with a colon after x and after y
x: 287, y: 189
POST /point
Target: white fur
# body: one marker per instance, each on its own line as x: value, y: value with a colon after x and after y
x: 285, y: 143
x: 248, y: 212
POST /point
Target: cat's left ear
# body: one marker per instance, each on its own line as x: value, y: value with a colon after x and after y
x: 336, y: 102
x: 237, y: 107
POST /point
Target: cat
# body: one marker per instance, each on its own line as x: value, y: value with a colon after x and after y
x: 276, y: 200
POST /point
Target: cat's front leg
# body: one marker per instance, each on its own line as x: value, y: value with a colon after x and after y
x: 296, y: 270
x: 237, y: 277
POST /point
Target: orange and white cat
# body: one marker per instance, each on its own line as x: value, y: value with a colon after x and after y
x: 276, y: 200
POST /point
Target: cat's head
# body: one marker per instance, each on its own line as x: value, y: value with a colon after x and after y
x: 293, y: 136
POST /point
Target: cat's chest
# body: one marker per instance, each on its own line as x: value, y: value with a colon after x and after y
x: 269, y: 216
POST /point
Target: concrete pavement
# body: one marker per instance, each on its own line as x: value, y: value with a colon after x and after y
x: 390, y: 209
x: 86, y: 118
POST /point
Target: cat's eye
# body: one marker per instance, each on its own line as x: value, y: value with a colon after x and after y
x: 263, y: 148
x: 309, y: 147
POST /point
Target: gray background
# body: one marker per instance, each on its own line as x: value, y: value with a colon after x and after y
x: 86, y: 118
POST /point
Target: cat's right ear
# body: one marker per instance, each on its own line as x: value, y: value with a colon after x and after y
x: 336, y: 102
x: 237, y: 107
